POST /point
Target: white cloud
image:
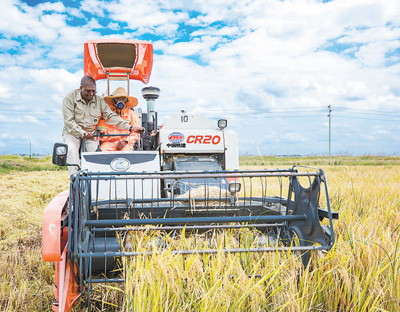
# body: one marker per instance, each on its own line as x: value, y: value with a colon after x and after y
x: 146, y: 14
x: 5, y: 90
x: 215, y: 32
x: 6, y: 136
x: 374, y: 54
x: 18, y: 119
x: 36, y: 22
x: 37, y: 89
x: 292, y: 137
x: 94, y: 7
x: 50, y: 6
x: 113, y: 26
x: 8, y: 44
x: 246, y: 56
x: 356, y: 90
x: 374, y: 34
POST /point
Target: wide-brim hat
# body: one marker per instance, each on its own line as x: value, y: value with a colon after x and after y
x: 120, y: 92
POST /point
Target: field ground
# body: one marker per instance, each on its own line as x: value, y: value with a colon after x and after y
x: 18, y: 163
x: 361, y: 272
x: 275, y: 161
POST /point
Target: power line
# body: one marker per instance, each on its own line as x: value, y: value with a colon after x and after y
x: 233, y: 111
x: 262, y: 114
x: 256, y: 111
x: 28, y: 114
x: 368, y: 113
x: 244, y: 111
x: 364, y: 110
x: 353, y: 117
x: 263, y: 117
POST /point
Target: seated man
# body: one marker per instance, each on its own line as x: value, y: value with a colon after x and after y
x: 120, y: 103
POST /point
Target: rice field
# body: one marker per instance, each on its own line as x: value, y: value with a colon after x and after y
x: 361, y: 272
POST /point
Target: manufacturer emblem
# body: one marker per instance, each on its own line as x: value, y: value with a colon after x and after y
x: 176, y: 137
x: 120, y: 164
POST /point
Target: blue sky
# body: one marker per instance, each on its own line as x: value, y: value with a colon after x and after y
x: 270, y: 67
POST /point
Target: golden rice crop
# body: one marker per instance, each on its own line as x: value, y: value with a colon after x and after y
x: 361, y: 272
x: 26, y: 281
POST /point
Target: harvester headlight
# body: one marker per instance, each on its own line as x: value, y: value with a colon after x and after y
x: 222, y: 123
x: 234, y: 187
x: 61, y: 151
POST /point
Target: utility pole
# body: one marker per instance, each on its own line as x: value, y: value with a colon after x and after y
x: 30, y: 150
x: 329, y: 115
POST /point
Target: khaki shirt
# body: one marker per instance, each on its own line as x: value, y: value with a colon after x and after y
x: 80, y: 117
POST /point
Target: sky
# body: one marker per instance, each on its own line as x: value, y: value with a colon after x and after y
x: 271, y: 68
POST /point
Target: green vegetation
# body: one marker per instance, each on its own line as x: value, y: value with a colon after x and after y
x: 19, y: 163
x: 276, y: 161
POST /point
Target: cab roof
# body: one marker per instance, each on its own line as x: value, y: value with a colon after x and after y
x: 118, y: 59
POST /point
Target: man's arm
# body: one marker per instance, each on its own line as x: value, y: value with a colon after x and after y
x: 69, y: 119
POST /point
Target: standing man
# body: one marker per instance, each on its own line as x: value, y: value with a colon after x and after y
x: 82, y: 110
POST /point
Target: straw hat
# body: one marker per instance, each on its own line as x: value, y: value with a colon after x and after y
x: 120, y: 92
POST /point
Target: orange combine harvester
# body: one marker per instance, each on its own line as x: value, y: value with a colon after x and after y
x: 185, y: 177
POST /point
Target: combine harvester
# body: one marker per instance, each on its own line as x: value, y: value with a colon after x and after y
x: 186, y: 177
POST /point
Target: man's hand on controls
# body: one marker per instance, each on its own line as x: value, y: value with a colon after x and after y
x: 135, y: 129
x: 88, y: 135
x: 121, y: 145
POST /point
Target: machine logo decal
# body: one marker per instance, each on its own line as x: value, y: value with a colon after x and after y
x: 176, y: 137
x: 120, y: 164
x: 203, y: 139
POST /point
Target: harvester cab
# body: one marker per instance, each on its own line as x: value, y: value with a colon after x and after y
x: 182, y: 176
